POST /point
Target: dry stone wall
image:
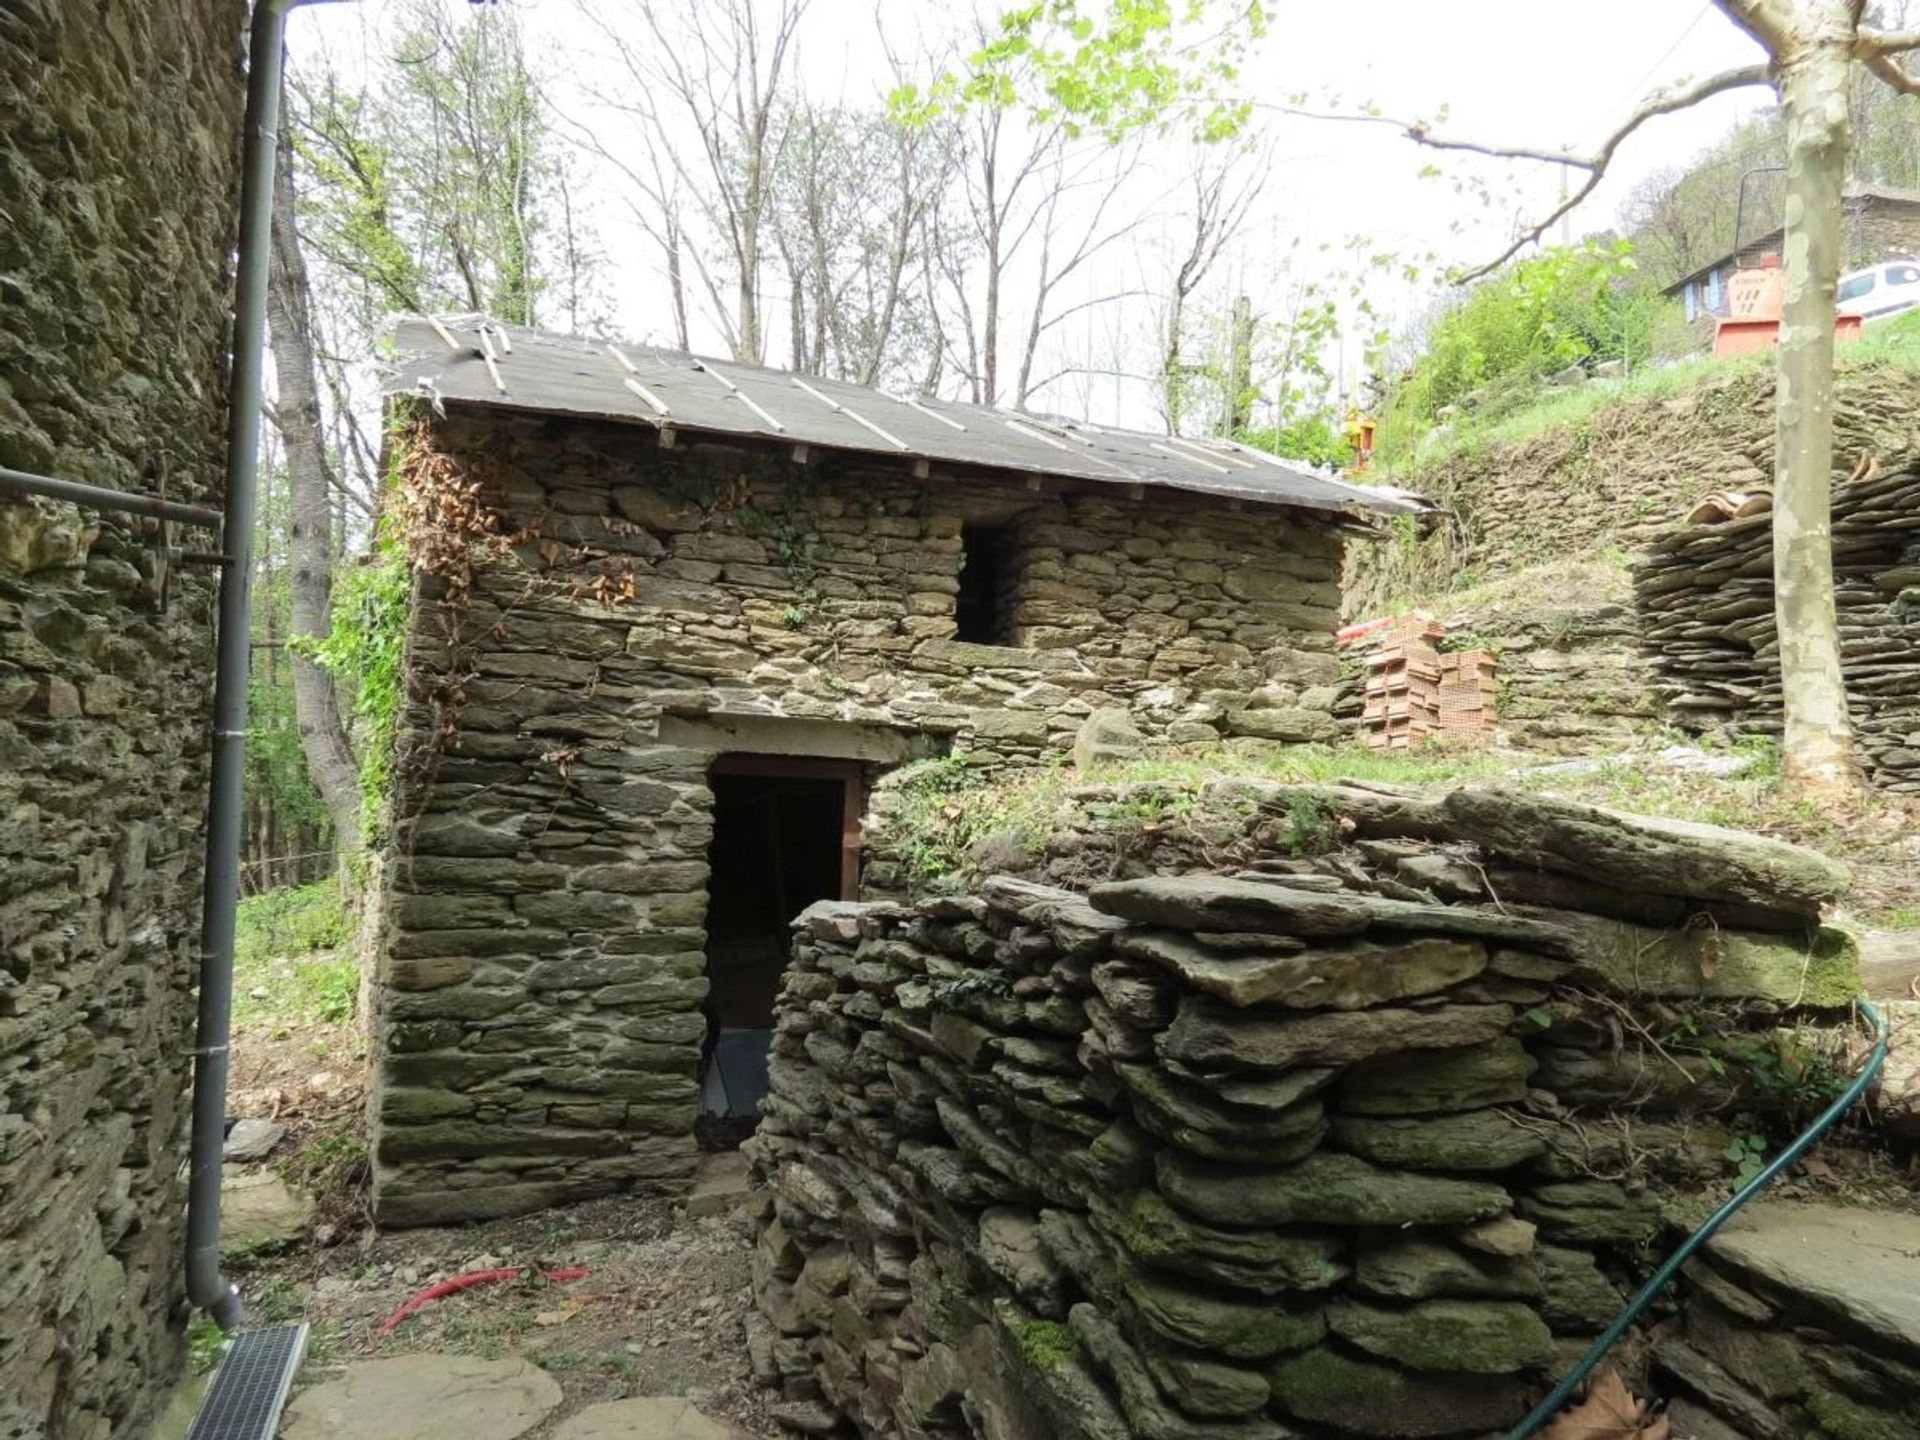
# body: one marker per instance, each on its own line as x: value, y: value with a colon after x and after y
x: 1705, y: 598
x: 119, y: 132
x: 1799, y: 1320
x: 1615, y: 478
x: 632, y: 611
x: 1364, y: 1139
x: 1570, y: 678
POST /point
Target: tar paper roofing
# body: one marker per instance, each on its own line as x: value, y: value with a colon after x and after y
x: 475, y: 361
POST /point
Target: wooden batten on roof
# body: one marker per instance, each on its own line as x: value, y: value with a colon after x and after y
x: 473, y: 360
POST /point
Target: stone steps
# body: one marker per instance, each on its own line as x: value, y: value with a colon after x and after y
x: 1802, y: 1319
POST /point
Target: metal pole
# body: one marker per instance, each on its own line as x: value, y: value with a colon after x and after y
x: 206, y: 1286
x: 101, y: 497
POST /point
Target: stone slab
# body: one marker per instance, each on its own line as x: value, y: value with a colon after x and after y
x: 1862, y: 1265
x: 654, y: 1417
x: 258, y: 1209
x: 252, y: 1137
x: 722, y: 1182
x: 427, y: 1397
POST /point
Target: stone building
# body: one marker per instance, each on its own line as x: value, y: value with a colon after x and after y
x: 698, y: 610
x: 119, y: 147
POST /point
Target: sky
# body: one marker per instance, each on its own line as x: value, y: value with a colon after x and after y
x: 1542, y: 73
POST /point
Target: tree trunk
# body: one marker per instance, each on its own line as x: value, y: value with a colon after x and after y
x: 1817, y: 753
x: 1240, y: 368
x: 296, y: 414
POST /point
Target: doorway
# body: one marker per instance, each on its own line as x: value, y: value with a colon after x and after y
x: 786, y: 832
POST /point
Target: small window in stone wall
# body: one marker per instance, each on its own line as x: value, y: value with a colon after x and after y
x: 983, y: 612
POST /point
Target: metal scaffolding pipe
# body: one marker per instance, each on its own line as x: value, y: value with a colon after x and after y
x: 102, y: 497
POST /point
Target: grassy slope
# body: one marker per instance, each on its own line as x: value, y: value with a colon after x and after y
x: 1895, y: 341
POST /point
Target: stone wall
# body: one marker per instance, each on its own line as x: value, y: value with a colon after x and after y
x: 631, y: 612
x: 1799, y: 1320
x: 1571, y: 677
x: 1705, y: 598
x: 119, y: 129
x: 1615, y: 478
x: 1365, y: 1140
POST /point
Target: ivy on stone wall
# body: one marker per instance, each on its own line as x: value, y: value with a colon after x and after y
x: 365, y: 649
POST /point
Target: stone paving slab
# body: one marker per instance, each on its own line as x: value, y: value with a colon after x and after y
x: 429, y: 1397
x: 1862, y: 1265
x: 650, y: 1418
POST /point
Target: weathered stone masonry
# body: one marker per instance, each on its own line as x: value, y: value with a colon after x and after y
x: 1364, y: 1142
x: 643, y: 610
x: 119, y: 135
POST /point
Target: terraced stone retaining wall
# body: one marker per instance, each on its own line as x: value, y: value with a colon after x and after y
x: 616, y: 616
x: 1705, y: 597
x: 119, y: 147
x: 1366, y: 1138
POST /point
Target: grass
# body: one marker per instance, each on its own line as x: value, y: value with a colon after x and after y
x: 951, y: 821
x: 292, y: 961
x: 1894, y: 342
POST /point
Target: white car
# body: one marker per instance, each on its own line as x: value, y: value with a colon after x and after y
x: 1879, y: 290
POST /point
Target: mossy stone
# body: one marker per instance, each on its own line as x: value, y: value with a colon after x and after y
x: 1818, y: 967
x: 1236, y: 1328
x: 1589, y: 1212
x: 1329, y: 1386
x: 1325, y: 1188
x: 1266, y: 1261
x: 1422, y: 1082
x: 1421, y: 1269
x: 1478, y: 1337
x: 1574, y: 1296
x: 1470, y: 1140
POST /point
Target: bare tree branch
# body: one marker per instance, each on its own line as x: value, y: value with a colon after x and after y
x: 1664, y: 102
x: 1888, y: 69
x: 1885, y: 42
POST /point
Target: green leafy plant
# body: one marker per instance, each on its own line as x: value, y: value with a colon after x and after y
x: 1311, y: 828
x: 366, y: 650
x: 1747, y: 1154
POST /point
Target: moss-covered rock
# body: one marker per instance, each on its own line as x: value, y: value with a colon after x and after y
x: 1266, y: 1261
x: 1329, y: 1386
x: 1421, y: 1269
x: 1325, y: 1188
x: 1575, y: 1298
x: 1209, y: 1034
x: 1478, y: 1337
x: 1817, y: 967
x: 1238, y: 1329
x: 1591, y: 1212
x: 1417, y: 1082
x: 1153, y: 1415
x: 1348, y: 976
x: 1471, y: 1140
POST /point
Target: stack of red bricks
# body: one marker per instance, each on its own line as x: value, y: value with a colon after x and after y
x: 1413, y: 689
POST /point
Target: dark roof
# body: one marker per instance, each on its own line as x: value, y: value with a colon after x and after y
x: 1856, y: 196
x: 475, y: 361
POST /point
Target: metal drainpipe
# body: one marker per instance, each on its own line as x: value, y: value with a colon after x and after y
x: 206, y: 1287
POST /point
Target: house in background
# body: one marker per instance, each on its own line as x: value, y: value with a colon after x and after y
x: 1879, y: 223
x: 710, y: 608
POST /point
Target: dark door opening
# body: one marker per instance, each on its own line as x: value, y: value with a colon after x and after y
x: 785, y: 834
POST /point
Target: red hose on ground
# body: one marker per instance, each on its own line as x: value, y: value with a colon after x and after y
x: 467, y: 1282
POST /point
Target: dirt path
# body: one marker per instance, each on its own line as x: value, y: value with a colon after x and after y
x: 658, y: 1313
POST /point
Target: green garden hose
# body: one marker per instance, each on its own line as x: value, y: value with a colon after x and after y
x: 1596, y: 1352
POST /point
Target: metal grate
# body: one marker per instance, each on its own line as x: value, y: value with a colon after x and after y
x: 250, y: 1388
